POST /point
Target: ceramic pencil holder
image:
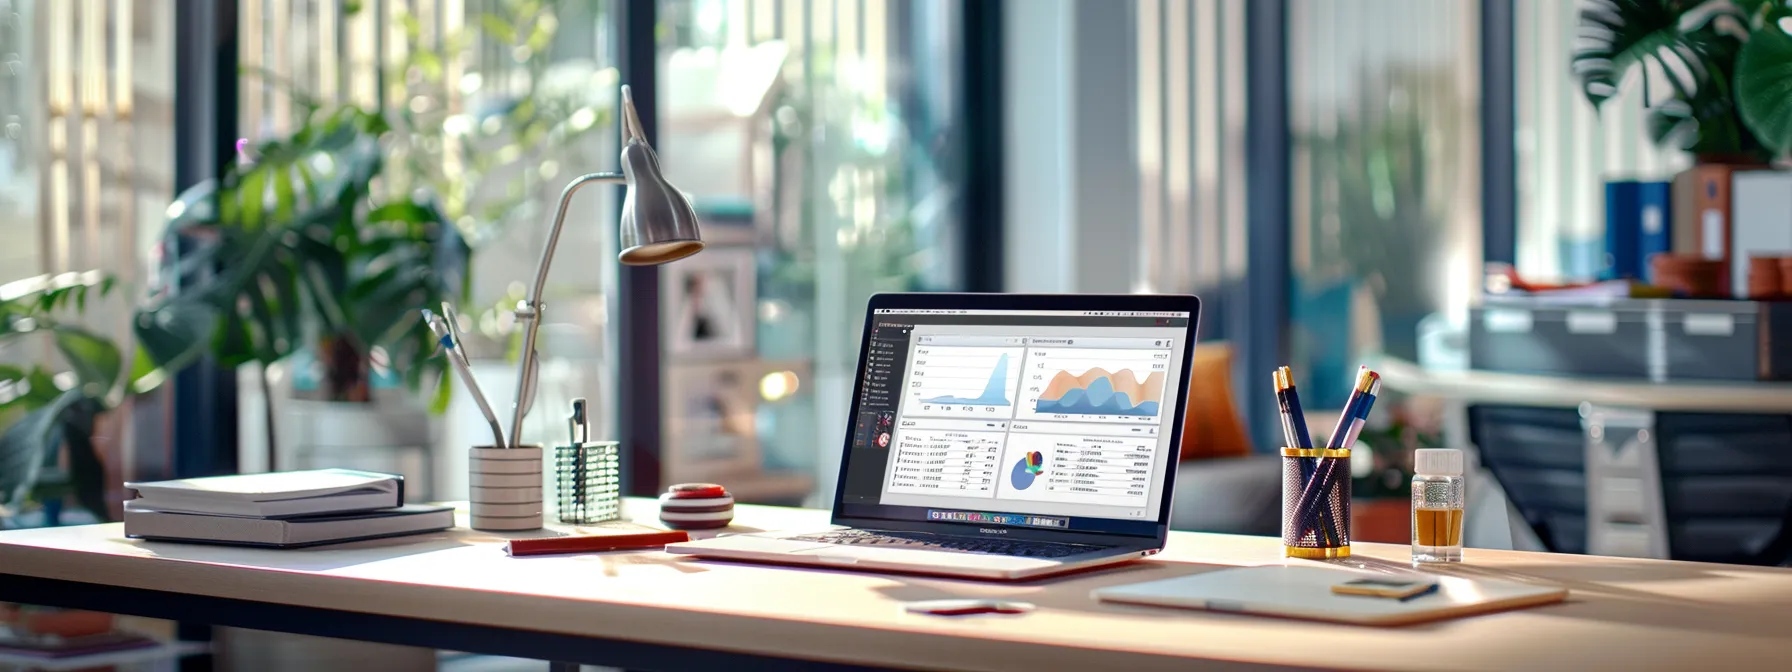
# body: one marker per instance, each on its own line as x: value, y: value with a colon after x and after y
x: 1316, y: 502
x: 505, y: 487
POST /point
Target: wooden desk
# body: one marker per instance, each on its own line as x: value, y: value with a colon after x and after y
x: 654, y: 611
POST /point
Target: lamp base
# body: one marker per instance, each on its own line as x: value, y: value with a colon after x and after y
x: 506, y: 488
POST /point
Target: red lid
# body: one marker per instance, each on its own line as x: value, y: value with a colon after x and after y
x: 696, y: 491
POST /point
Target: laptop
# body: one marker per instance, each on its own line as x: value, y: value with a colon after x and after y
x: 1001, y: 436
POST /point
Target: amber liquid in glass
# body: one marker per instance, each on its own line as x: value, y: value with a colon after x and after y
x: 1437, y: 527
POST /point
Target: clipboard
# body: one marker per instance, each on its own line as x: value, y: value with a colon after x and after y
x: 1305, y: 592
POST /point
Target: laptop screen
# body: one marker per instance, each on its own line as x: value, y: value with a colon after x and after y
x: 1027, y: 418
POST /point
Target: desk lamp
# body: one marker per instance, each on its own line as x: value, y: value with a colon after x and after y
x: 658, y: 226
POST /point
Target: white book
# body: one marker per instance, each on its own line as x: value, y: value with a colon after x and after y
x: 286, y: 533
x: 271, y: 495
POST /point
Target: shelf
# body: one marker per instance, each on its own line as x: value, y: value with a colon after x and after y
x: 1520, y: 389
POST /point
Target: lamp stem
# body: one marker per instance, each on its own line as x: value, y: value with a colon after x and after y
x: 528, y: 311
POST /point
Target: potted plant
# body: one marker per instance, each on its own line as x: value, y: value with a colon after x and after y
x: 1725, y: 64
x: 44, y: 410
x: 293, y: 249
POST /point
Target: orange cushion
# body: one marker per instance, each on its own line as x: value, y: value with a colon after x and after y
x: 1211, y: 427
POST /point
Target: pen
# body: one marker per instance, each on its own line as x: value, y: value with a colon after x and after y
x: 452, y: 318
x: 1350, y: 425
x: 1365, y: 379
x: 594, y: 543
x: 579, y: 423
x: 457, y: 359
x: 1294, y: 424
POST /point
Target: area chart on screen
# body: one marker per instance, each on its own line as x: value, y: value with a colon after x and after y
x: 1102, y: 470
x: 962, y: 381
x: 945, y: 462
x: 1094, y: 384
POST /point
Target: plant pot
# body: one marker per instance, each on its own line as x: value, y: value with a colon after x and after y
x: 343, y: 372
x: 59, y: 622
x: 1737, y: 160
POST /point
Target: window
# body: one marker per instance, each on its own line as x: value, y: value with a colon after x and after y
x: 1385, y: 179
x: 1191, y: 107
x: 819, y: 142
x: 86, y: 168
x: 495, y: 106
x: 1566, y: 149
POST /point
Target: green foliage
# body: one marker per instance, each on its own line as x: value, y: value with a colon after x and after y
x: 291, y: 245
x: 484, y: 160
x: 44, y: 416
x: 1764, y: 80
x: 1714, y: 105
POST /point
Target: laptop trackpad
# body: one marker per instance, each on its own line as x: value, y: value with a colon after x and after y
x: 853, y: 555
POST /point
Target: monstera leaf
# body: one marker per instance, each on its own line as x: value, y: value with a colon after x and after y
x: 1694, y: 48
x: 1764, y: 81
x: 1620, y: 35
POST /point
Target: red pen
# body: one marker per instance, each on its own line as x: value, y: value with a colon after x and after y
x: 594, y: 543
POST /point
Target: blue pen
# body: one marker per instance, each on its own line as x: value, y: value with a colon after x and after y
x: 457, y: 360
x: 1350, y: 422
x: 1294, y: 423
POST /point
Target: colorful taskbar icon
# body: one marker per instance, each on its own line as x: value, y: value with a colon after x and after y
x: 984, y: 518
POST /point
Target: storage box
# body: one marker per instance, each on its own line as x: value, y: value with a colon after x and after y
x: 1654, y: 339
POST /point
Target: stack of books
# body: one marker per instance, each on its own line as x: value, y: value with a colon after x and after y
x: 281, y: 509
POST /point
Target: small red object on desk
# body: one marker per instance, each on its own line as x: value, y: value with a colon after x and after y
x: 696, y: 506
x: 696, y: 491
x: 593, y: 543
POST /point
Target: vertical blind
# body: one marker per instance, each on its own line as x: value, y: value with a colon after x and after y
x: 1191, y: 119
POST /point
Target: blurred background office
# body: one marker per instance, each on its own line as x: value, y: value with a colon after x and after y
x: 1410, y: 184
x: 1335, y: 178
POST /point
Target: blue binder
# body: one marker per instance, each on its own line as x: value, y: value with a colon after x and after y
x: 1623, y: 228
x: 1655, y: 215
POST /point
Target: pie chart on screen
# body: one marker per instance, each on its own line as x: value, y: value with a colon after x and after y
x: 1026, y: 469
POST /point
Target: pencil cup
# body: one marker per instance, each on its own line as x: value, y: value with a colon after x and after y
x: 588, y: 482
x: 1316, y: 502
x: 505, y: 488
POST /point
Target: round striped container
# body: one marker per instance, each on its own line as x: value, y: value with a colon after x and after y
x: 505, y: 488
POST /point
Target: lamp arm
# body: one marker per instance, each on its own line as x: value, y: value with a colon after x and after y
x: 528, y: 311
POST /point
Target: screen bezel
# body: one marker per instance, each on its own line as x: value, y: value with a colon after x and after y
x: 1053, y: 302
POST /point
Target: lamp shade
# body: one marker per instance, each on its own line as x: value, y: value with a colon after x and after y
x: 658, y: 224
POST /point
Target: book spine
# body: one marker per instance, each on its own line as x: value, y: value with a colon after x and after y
x: 1623, y: 225
x: 1655, y: 214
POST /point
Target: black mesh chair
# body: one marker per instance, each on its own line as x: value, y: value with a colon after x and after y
x: 1726, y: 482
x: 1726, y: 479
x: 1539, y: 457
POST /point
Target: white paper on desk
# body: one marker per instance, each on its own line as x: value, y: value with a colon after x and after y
x: 269, y: 486
x: 1304, y: 591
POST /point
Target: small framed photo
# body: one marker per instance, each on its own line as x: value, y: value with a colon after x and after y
x: 710, y: 303
x: 712, y: 427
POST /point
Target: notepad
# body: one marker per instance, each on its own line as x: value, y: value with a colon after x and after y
x: 1305, y: 592
x: 271, y: 495
x: 287, y: 532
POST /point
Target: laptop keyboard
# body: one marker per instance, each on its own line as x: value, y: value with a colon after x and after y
x: 941, y: 542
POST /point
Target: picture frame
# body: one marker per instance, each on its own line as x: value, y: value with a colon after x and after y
x: 711, y: 415
x: 712, y: 422
x: 710, y: 301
